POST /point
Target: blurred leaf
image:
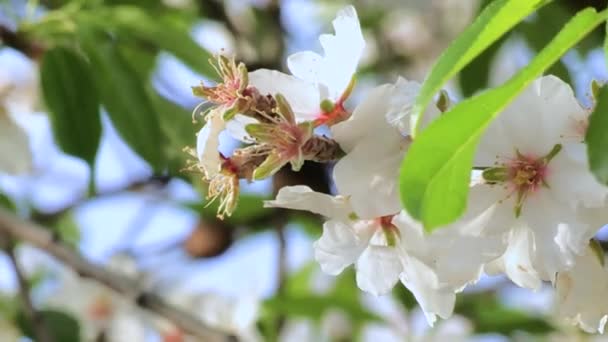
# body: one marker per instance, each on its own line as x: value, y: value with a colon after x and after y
x: 68, y: 230
x: 597, y: 139
x: 179, y: 131
x: 125, y: 99
x: 546, y: 24
x: 7, y: 203
x: 435, y: 173
x: 310, y: 224
x: 299, y: 283
x: 314, y: 306
x: 71, y: 97
x: 140, y: 56
x: 494, y: 21
x: 250, y: 209
x: 175, y: 121
x: 489, y: 315
x: 60, y: 326
x: 475, y: 76
x: 162, y: 31
x: 606, y: 43
x: 9, y: 306
x: 405, y: 297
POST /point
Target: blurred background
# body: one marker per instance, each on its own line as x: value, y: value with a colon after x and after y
x: 112, y: 184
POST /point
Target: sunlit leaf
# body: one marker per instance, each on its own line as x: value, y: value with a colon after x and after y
x: 597, y: 139
x: 435, y: 173
x: 494, y: 21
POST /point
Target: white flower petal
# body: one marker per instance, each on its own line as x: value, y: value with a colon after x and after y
x: 368, y: 175
x: 517, y: 262
x: 459, y: 260
x: 572, y: 165
x: 208, y: 142
x: 236, y: 128
x: 342, y: 54
x: 302, y: 96
x: 378, y: 269
x: 341, y: 245
x: 422, y: 281
x: 581, y: 293
x: 308, y: 65
x: 367, y: 119
x: 126, y: 325
x: 301, y: 197
x: 15, y: 154
x: 413, y: 238
x: 539, y: 117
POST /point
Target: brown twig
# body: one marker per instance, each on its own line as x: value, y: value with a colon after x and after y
x: 20, y: 43
x: 38, y: 324
x: 44, y: 239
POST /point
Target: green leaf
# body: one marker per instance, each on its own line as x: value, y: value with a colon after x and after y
x: 71, y: 97
x: 164, y: 32
x: 68, y: 230
x: 314, y: 306
x: 178, y: 129
x: 597, y: 139
x: 60, y: 326
x: 494, y: 21
x: 125, y: 99
x: 435, y: 173
x: 475, y: 76
x: 606, y: 43
x: 7, y: 203
x: 489, y: 315
x: 300, y: 282
x: 546, y: 24
x: 250, y: 209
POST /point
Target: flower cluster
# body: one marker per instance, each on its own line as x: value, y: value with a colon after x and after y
x: 532, y: 212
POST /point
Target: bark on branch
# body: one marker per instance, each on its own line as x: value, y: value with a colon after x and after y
x: 44, y: 239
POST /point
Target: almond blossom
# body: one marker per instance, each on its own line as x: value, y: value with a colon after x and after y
x: 15, y: 154
x: 100, y: 310
x: 376, y: 138
x: 234, y: 316
x: 393, y: 248
x: 581, y: 291
x: 320, y: 84
x: 377, y: 247
x: 530, y: 162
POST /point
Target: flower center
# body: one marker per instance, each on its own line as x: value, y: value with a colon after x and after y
x: 101, y: 308
x: 523, y: 175
x: 225, y: 186
x: 391, y: 232
x: 174, y: 335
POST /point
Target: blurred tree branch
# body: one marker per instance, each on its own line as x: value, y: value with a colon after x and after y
x: 19, y: 42
x: 44, y: 239
x: 38, y: 324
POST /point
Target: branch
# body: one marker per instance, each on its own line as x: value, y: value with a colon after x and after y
x: 44, y: 239
x: 38, y: 325
x: 20, y: 43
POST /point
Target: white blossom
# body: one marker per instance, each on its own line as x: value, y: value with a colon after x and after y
x: 15, y: 154
x: 317, y: 78
x: 231, y: 315
x: 392, y: 248
x: 376, y: 138
x: 98, y: 308
x: 537, y: 178
x: 581, y: 292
